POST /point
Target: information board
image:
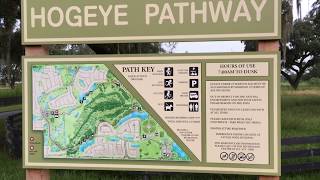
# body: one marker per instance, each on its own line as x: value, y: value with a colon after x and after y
x: 205, y: 113
x: 96, y: 21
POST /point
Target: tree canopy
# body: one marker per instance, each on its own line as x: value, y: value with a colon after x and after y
x: 300, y: 42
x: 11, y: 49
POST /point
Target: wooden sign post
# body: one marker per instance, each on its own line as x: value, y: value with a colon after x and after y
x: 269, y: 46
x: 33, y: 51
x: 36, y: 174
x: 86, y: 22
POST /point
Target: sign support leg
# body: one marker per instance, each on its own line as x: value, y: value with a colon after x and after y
x: 268, y: 46
x: 37, y: 174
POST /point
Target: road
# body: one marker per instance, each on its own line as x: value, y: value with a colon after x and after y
x: 4, y: 115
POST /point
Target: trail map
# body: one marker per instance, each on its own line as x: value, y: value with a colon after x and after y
x: 85, y: 112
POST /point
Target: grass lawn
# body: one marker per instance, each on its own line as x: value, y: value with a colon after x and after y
x: 11, y: 108
x: 300, y: 117
x: 9, y: 169
x: 8, y: 92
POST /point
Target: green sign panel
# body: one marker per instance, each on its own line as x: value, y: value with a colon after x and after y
x: 96, y: 21
x: 206, y: 113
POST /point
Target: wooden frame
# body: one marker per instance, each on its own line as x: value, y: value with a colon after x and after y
x: 43, y: 174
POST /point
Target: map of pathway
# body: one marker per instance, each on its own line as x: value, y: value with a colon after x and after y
x: 85, y: 112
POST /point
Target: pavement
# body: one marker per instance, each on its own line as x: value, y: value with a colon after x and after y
x: 4, y: 115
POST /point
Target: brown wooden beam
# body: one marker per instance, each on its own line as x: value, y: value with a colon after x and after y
x: 36, y: 174
x: 269, y: 46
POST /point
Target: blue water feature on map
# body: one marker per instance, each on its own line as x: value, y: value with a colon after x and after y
x: 82, y: 83
x: 93, y: 87
x: 45, y: 139
x: 141, y: 115
x: 36, y: 118
x: 178, y: 150
x: 85, y: 145
x: 54, y: 149
x: 86, y: 68
x: 36, y: 69
x: 82, y: 95
x: 59, y: 69
x: 135, y: 145
x: 128, y: 137
x: 72, y: 72
x: 114, y: 138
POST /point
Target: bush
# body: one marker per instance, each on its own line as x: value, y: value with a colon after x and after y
x: 13, y: 127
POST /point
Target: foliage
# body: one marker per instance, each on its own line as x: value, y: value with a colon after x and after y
x: 11, y: 49
x: 71, y: 49
x: 302, y: 51
x: 313, y: 73
x: 300, y: 42
x: 126, y: 48
x: 5, y: 92
x: 10, y: 41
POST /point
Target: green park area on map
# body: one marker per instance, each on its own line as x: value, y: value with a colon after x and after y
x: 85, y: 112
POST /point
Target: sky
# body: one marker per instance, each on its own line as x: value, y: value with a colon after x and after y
x: 229, y: 46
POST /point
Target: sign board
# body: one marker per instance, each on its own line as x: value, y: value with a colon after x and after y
x: 204, y: 113
x: 96, y: 21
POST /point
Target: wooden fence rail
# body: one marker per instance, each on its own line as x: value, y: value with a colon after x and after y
x: 10, y: 101
x: 312, y: 152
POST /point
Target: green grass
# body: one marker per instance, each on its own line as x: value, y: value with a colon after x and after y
x: 300, y: 117
x: 8, y: 92
x: 105, y: 175
x: 10, y: 169
x: 11, y: 108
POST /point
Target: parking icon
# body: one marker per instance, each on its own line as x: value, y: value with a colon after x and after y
x: 193, y: 83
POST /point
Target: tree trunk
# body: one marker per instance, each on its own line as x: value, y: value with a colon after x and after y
x: 8, y: 69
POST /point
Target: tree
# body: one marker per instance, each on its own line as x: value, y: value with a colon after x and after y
x: 286, y: 27
x: 127, y: 48
x: 11, y: 49
x: 299, y: 42
x: 302, y: 51
x: 10, y: 41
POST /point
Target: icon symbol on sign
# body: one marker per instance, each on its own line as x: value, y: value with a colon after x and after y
x: 193, y: 83
x: 193, y: 106
x: 168, y: 106
x: 250, y: 156
x: 233, y: 156
x: 168, y: 94
x: 168, y: 71
x: 193, y: 95
x: 224, y: 156
x: 193, y: 71
x: 242, y: 156
x: 168, y: 83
